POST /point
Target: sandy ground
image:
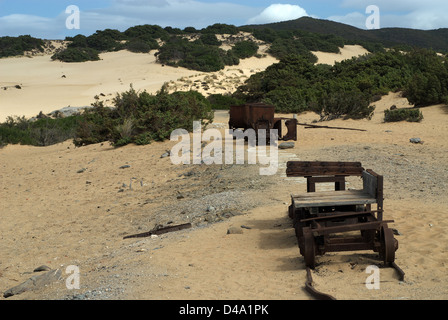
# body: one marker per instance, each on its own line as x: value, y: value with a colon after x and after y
x: 63, y: 206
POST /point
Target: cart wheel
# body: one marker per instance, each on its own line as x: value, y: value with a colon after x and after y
x: 309, y: 248
x: 387, y: 245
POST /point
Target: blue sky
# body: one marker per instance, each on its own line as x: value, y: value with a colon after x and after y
x: 47, y: 18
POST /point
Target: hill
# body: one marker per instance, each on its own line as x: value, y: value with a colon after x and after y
x: 431, y: 39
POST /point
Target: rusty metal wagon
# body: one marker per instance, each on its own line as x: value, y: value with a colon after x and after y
x: 259, y: 116
x: 340, y: 220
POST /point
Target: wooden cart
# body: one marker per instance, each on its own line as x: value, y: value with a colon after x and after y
x: 339, y: 220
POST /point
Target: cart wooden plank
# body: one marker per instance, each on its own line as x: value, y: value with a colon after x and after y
x: 332, y: 198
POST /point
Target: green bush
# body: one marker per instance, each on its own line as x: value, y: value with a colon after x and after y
x: 209, y: 39
x: 296, y: 85
x: 40, y: 132
x: 77, y: 55
x: 245, y: 49
x: 223, y: 102
x: 153, y: 31
x: 14, y: 46
x: 282, y: 48
x: 195, y: 55
x: 221, y: 28
x: 141, y: 117
x: 410, y: 115
x: 347, y: 89
x: 138, y: 45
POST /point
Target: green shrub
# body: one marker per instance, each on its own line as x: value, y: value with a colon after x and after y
x: 410, y: 115
x: 77, y: 55
x: 40, y: 132
x: 345, y: 104
x: 281, y: 48
x: 102, y: 42
x: 138, y: 45
x: 221, y: 28
x: 142, y: 117
x: 78, y: 41
x: 14, y: 46
x: 153, y: 31
x: 223, y: 102
x: 245, y: 49
x: 209, y: 39
x: 194, y: 55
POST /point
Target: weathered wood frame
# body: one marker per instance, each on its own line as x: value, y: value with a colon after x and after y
x: 341, y: 217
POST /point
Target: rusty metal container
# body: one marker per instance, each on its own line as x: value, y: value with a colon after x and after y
x: 253, y: 115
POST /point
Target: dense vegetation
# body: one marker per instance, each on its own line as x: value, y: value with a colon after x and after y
x: 370, y: 39
x: 14, y: 46
x: 137, y: 117
x: 195, y: 55
x: 144, y: 38
x: 348, y: 89
x: 410, y: 115
x: 141, y: 118
x: 40, y: 132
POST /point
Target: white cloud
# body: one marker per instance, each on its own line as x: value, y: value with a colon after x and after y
x: 278, y: 13
x: 21, y: 24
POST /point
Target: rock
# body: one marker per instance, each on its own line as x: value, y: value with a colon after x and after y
x: 210, y: 209
x: 81, y: 170
x: 68, y: 111
x: 166, y: 154
x: 415, y: 140
x: 286, y: 145
x: 42, y: 268
x: 125, y: 166
x: 234, y: 230
x: 34, y: 283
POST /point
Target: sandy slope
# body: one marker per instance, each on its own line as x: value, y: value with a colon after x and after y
x: 345, y: 53
x: 51, y: 214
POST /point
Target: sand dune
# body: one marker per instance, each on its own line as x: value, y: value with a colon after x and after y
x: 48, y: 85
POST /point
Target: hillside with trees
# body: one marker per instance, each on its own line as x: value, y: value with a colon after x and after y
x: 386, y: 37
x: 349, y: 88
